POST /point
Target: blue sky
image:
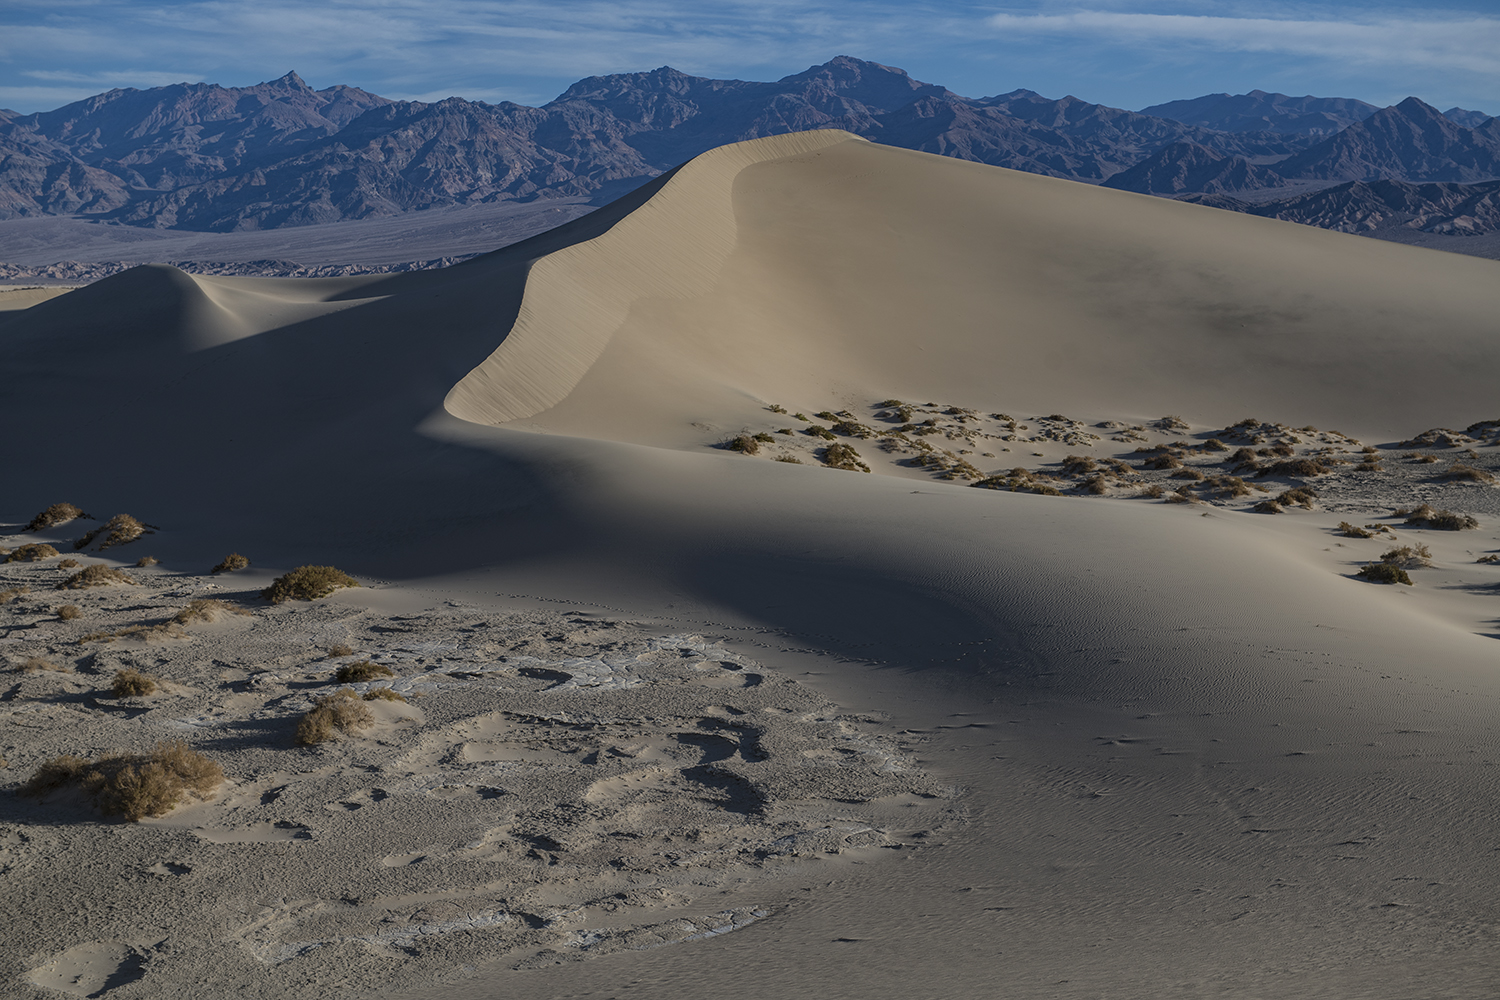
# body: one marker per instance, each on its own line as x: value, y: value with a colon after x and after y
x: 1124, y: 54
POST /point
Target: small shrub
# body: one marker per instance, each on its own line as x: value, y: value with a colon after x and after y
x: 384, y: 694
x: 800, y: 416
x: 826, y: 415
x: 1078, y: 465
x: 37, y: 664
x: 852, y: 428
x: 1165, y: 461
x: 339, y: 649
x: 1488, y: 559
x: 231, y: 562
x: 1302, y: 496
x: 764, y: 438
x: 69, y: 564
x: 843, y: 456
x: 6, y: 596
x: 132, y: 786
x: 68, y: 612
x: 1354, y: 531
x: 1227, y: 486
x: 1408, y: 557
x: 145, y: 561
x: 1192, y: 474
x: 1443, y: 520
x: 1384, y: 573
x: 776, y: 408
x: 307, y: 583
x: 58, y: 513
x: 340, y: 712
x: 364, y: 670
x: 121, y: 528
x: 207, y: 610
x: 890, y: 403
x: 744, y: 444
x: 1097, y: 485
x: 32, y: 553
x: 1267, y: 507
x: 1214, y: 444
x: 1372, y: 465
x: 1298, y: 467
x: 1427, y: 460
x: 818, y: 431
x: 1153, y: 492
x: 1458, y: 471
x: 788, y: 459
x: 97, y: 575
x: 131, y: 683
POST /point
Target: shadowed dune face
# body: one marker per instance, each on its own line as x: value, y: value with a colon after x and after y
x: 879, y: 271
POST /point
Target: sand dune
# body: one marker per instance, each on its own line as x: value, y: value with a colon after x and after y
x: 1199, y: 757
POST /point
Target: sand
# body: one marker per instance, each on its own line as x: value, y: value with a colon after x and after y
x: 1141, y: 747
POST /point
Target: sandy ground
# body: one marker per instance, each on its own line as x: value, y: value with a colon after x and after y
x: 1102, y: 729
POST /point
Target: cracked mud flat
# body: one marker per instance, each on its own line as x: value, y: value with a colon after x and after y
x: 556, y: 787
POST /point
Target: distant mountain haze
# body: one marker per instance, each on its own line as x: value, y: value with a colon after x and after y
x: 223, y: 159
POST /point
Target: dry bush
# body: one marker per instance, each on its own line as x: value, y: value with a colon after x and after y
x: 1079, y: 465
x: 1427, y: 460
x: 826, y: 415
x: 133, y: 786
x: 69, y: 563
x: 1302, y: 496
x: 1298, y: 467
x: 1488, y: 559
x: 1460, y: 472
x: 36, y: 664
x: 364, y: 670
x: 1153, y: 492
x: 1097, y: 485
x: 145, y: 561
x: 1408, y: 557
x: 131, y: 683
x: 339, y: 649
x: 788, y: 459
x: 1267, y: 507
x: 384, y: 694
x: 340, y: 712
x: 852, y: 428
x: 58, y: 513
x: 1166, y: 461
x: 744, y: 444
x: 818, y: 431
x: 33, y: 552
x: 1227, y: 487
x: 1192, y: 474
x: 1181, y: 496
x: 231, y: 562
x: 6, y: 596
x: 1370, y: 465
x: 122, y: 528
x: 1354, y: 531
x: 776, y: 408
x: 207, y: 610
x: 307, y: 583
x: 1384, y: 573
x: 68, y: 612
x: 843, y: 456
x: 97, y: 575
x: 1443, y: 520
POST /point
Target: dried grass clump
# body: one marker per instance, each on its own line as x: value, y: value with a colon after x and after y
x: 1488, y: 559
x: 307, y: 583
x: 161, y: 630
x: 843, y: 456
x: 1354, y: 531
x: 1191, y: 474
x: 36, y: 664
x: 1097, y: 485
x: 384, y: 694
x: 68, y: 612
x: 788, y: 459
x: 131, y: 683
x: 339, y: 649
x: 69, y: 564
x: 1227, y: 487
x: 852, y: 428
x: 776, y: 408
x: 207, y: 610
x: 1408, y: 557
x: 6, y: 596
x: 122, y: 528
x: 1301, y: 496
x: 818, y: 431
x: 1299, y: 467
x: 364, y: 670
x: 1164, y: 461
x: 1385, y: 573
x: 58, y: 513
x: 745, y: 444
x: 231, y: 562
x: 1079, y: 465
x: 1462, y: 472
x: 1268, y: 507
x: 1443, y: 520
x: 340, y: 712
x: 1153, y: 492
x: 145, y: 561
x: 132, y: 786
x: 34, y: 552
x: 97, y: 575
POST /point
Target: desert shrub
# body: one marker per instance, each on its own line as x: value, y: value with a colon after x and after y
x: 1214, y: 444
x: 818, y: 431
x: 800, y: 416
x: 1166, y: 461
x: 340, y: 649
x: 364, y: 670
x: 745, y: 444
x: 852, y: 428
x: 58, y: 513
x: 69, y: 564
x: 121, y: 528
x: 826, y: 415
x: 97, y: 575
x: 36, y: 664
x: 1153, y: 492
x: 207, y: 610
x: 1243, y: 455
x: 1354, y: 531
x: 1097, y: 485
x: 384, y: 694
x: 1427, y: 460
x: 1267, y: 507
x: 6, y: 596
x: 1488, y: 559
x: 1192, y: 474
x: 32, y: 553
x: 131, y: 683
x: 1299, y: 467
x: 1370, y: 465
x: 843, y: 456
x: 1078, y: 465
x: 1283, y: 449
x: 145, y: 561
x: 1302, y: 496
x: 763, y: 437
x: 340, y: 712
x: 1384, y: 573
x: 1227, y: 486
x: 1181, y: 496
x: 1443, y: 520
x: 132, y: 786
x: 307, y: 583
x: 68, y: 612
x: 1408, y: 557
x: 231, y: 562
x: 1458, y: 471
x: 776, y: 408
x: 789, y: 459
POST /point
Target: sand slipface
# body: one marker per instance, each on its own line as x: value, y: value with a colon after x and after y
x: 1081, y: 666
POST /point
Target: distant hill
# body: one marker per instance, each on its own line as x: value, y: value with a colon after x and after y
x: 1369, y: 207
x: 1259, y: 111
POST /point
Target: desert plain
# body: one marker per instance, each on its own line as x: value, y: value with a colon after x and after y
x: 829, y: 570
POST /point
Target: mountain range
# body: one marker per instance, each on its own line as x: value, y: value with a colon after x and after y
x: 219, y: 159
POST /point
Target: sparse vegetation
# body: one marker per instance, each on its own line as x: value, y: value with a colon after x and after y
x: 1078, y: 465
x: 145, y: 561
x: 33, y: 552
x: 207, y: 610
x: 1463, y: 472
x: 68, y: 612
x: 133, y: 787
x: 364, y: 670
x: 231, y: 562
x: 1191, y: 474
x: 384, y: 694
x: 1408, y: 557
x: 745, y: 444
x: 36, y: 665
x: 1488, y: 559
x: 131, y: 683
x: 340, y: 712
x: 843, y: 456
x: 788, y: 459
x: 1443, y: 520
x: 307, y: 583
x: 122, y: 529
x: 1354, y: 531
x: 339, y: 649
x: 6, y: 596
x: 776, y: 408
x: 69, y: 564
x: 764, y: 438
x: 97, y: 575
x: 1384, y: 573
x: 1268, y: 507
x: 58, y: 513
x: 818, y: 431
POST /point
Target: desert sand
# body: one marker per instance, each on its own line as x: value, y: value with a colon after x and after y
x: 690, y: 712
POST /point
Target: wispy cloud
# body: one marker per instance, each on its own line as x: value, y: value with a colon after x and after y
x: 1453, y: 42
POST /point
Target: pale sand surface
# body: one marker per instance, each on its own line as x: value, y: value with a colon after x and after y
x: 26, y: 296
x: 1156, y: 749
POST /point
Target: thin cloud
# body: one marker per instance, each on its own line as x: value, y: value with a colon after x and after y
x: 1466, y: 43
